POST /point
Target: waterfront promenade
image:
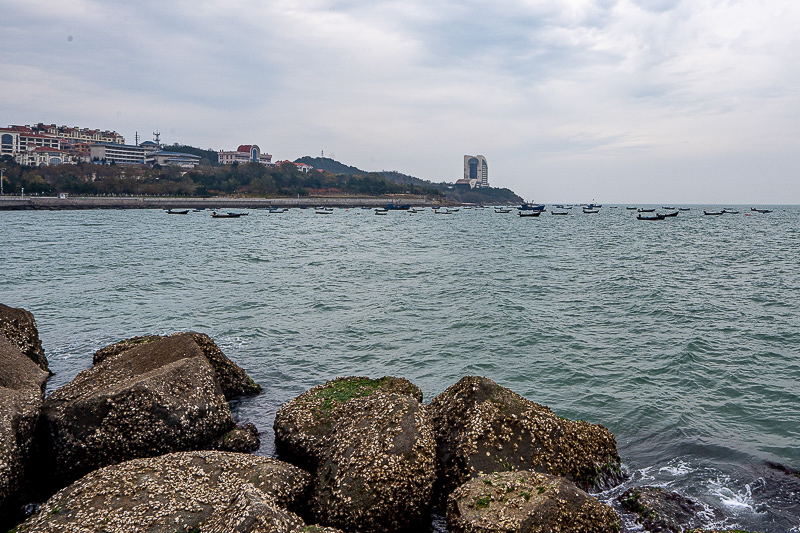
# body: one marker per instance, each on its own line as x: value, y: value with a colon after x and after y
x: 15, y: 203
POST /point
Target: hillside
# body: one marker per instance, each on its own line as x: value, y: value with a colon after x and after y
x: 490, y: 195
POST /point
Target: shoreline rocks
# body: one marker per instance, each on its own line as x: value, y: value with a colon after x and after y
x: 138, y: 436
x: 22, y: 385
x: 156, y: 397
x: 174, y: 492
x: 482, y: 428
x: 527, y: 502
x: 371, y: 448
x: 19, y: 327
x: 659, y: 510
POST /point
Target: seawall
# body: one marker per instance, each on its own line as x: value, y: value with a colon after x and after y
x: 16, y: 203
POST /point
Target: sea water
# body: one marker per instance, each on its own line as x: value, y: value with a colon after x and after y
x: 681, y: 336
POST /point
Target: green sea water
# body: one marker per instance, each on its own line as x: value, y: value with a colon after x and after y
x: 681, y: 336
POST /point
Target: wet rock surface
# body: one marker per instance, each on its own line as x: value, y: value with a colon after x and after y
x: 21, y: 393
x: 232, y: 379
x: 302, y: 424
x: 19, y: 326
x: 482, y: 427
x: 156, y: 398
x: 175, y: 492
x: 379, y: 465
x: 527, y: 502
x: 659, y: 510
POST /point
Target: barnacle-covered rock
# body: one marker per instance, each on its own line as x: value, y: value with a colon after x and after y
x: 304, y: 422
x: 175, y: 492
x: 140, y: 403
x: 231, y: 378
x: 659, y: 510
x: 252, y: 511
x: 379, y: 465
x: 19, y: 326
x: 243, y: 439
x: 527, y: 502
x: 21, y: 394
x: 482, y: 427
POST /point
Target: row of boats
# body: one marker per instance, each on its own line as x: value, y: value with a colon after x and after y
x: 524, y: 210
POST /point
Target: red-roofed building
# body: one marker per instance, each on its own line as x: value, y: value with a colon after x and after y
x: 246, y: 153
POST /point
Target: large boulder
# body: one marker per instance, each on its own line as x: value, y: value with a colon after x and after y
x: 659, y: 510
x: 231, y: 378
x: 21, y: 393
x: 251, y: 511
x: 19, y: 326
x: 371, y: 446
x: 379, y: 467
x: 527, y: 502
x: 302, y: 424
x: 482, y: 427
x: 175, y: 492
x: 157, y: 398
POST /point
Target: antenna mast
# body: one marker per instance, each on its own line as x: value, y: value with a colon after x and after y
x: 157, y: 137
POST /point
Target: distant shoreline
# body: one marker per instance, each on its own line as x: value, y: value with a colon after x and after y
x: 40, y: 203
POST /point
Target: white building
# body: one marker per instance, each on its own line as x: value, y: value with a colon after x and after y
x: 246, y: 153
x: 117, y: 153
x: 476, y: 170
x: 164, y: 158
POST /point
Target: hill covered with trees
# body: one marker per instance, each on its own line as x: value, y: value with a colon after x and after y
x: 487, y: 195
x: 248, y: 179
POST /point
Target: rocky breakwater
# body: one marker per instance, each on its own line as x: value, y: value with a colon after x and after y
x: 21, y: 393
x: 201, y: 491
x: 381, y: 460
x: 143, y: 397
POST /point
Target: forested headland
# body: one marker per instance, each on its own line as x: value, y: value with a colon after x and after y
x: 329, y: 178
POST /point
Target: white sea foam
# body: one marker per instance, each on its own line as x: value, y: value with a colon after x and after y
x: 676, y: 468
x: 738, y: 501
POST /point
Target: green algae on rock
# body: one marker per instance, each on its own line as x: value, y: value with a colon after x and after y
x: 301, y: 423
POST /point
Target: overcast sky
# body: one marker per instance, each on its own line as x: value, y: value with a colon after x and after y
x: 679, y: 101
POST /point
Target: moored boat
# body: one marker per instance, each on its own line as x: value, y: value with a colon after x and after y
x: 713, y: 213
x: 174, y: 212
x: 650, y: 217
x: 214, y: 214
x: 535, y: 213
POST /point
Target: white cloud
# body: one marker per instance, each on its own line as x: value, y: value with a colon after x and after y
x: 554, y: 93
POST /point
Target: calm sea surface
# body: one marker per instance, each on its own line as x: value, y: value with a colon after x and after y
x: 681, y: 336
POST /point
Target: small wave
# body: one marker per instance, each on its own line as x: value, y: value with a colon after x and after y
x: 737, y: 500
x: 679, y: 469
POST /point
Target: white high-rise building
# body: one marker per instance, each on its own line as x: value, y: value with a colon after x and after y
x: 476, y: 170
